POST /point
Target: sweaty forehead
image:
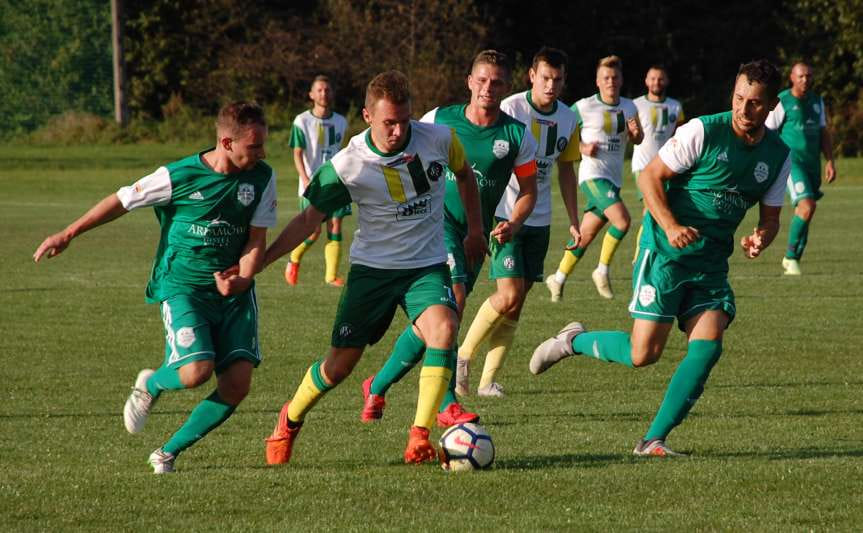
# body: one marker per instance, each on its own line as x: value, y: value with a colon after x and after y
x: 749, y: 89
x: 488, y: 70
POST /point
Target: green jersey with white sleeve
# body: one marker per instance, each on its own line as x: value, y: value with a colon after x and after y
x: 400, y: 196
x: 719, y: 177
x: 800, y: 122
x: 204, y: 217
x: 320, y: 139
x: 605, y: 124
x: 556, y: 133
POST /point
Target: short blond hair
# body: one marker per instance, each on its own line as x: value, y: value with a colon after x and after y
x: 492, y: 57
x: 391, y: 85
x: 611, y: 61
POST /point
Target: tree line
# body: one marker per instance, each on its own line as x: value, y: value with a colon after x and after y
x: 55, y: 56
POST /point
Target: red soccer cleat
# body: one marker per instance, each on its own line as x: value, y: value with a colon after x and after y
x: 336, y: 282
x: 420, y: 449
x: 281, y: 443
x: 292, y: 273
x: 455, y: 414
x: 373, y: 409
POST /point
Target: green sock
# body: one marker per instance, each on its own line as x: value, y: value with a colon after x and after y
x: 609, y: 346
x: 205, y: 417
x: 165, y: 378
x: 798, y: 234
x: 449, y: 396
x: 407, y: 352
x: 685, y: 387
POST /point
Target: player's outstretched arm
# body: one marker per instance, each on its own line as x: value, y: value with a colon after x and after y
x: 764, y: 233
x: 475, y: 245
x: 300, y: 227
x: 238, y: 278
x: 569, y: 192
x: 651, y: 182
x: 105, y: 211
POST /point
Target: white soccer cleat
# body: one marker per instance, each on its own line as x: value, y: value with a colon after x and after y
x: 554, y: 288
x: 554, y: 349
x: 162, y: 462
x: 791, y: 266
x: 462, y: 376
x: 492, y: 390
x: 603, y: 286
x: 138, y: 405
x: 655, y: 448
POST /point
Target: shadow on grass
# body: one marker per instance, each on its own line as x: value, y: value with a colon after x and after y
x: 542, y: 462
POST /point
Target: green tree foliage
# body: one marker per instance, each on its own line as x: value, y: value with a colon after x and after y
x: 54, y: 56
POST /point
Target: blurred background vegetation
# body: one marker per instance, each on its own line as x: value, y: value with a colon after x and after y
x: 184, y: 58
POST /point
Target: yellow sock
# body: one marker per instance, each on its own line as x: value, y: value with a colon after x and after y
x: 299, y: 251
x: 567, y: 263
x: 483, y: 324
x: 609, y: 244
x: 499, y: 344
x: 434, y: 381
x: 332, y: 253
x: 637, y: 243
x: 312, y: 388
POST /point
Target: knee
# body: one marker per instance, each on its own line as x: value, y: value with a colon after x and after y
x: 234, y: 393
x: 645, y: 356
x: 623, y: 224
x: 509, y: 301
x: 444, y: 333
x: 805, y: 209
x: 196, y: 374
x: 336, y: 370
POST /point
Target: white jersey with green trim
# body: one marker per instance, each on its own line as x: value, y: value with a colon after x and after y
x: 557, y: 138
x: 320, y: 139
x: 399, y: 196
x: 604, y: 124
x: 659, y: 120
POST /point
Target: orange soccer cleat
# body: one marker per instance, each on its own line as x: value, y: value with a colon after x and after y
x: 455, y: 414
x: 281, y: 443
x: 292, y: 273
x: 373, y: 408
x: 420, y: 449
x: 336, y: 282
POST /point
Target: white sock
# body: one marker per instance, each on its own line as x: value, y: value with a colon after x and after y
x: 560, y: 277
x: 602, y: 269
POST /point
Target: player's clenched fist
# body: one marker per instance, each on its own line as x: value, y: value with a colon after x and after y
x: 681, y: 236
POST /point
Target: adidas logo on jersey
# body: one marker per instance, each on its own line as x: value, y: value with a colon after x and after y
x: 196, y: 196
x: 722, y: 157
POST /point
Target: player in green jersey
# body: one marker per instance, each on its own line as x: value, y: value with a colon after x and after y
x: 316, y: 136
x: 214, y: 209
x: 716, y: 167
x: 497, y: 146
x: 394, y: 172
x: 801, y: 120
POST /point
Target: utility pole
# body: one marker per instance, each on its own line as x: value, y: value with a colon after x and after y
x: 121, y: 109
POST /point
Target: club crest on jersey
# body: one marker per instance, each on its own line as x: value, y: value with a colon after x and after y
x: 435, y: 171
x: 500, y: 148
x: 415, y: 209
x: 246, y: 194
x: 761, y: 171
x: 561, y: 144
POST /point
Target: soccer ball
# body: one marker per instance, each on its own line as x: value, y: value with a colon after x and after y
x: 466, y: 447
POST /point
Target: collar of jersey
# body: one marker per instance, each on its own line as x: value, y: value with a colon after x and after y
x: 374, y: 149
x: 599, y: 99
x: 538, y: 110
x: 312, y: 113
x: 664, y: 98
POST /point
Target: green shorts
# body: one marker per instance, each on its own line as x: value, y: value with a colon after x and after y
x: 663, y: 290
x: 803, y: 184
x: 521, y: 257
x: 600, y: 194
x: 457, y: 262
x: 371, y: 296
x: 341, y: 212
x: 201, y: 328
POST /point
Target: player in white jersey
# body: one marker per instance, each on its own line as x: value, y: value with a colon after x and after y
x: 660, y: 116
x: 316, y: 136
x: 394, y: 172
x: 555, y: 127
x: 608, y: 122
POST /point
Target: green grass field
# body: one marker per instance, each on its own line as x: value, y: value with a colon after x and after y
x: 777, y: 438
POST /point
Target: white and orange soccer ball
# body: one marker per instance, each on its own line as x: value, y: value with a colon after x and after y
x: 466, y: 447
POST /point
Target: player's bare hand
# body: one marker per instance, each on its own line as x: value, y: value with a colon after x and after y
x: 633, y: 127
x: 475, y: 248
x: 829, y: 172
x: 229, y: 282
x: 753, y: 244
x: 51, y: 246
x: 575, y: 233
x: 505, y: 231
x: 681, y: 236
x: 588, y: 149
